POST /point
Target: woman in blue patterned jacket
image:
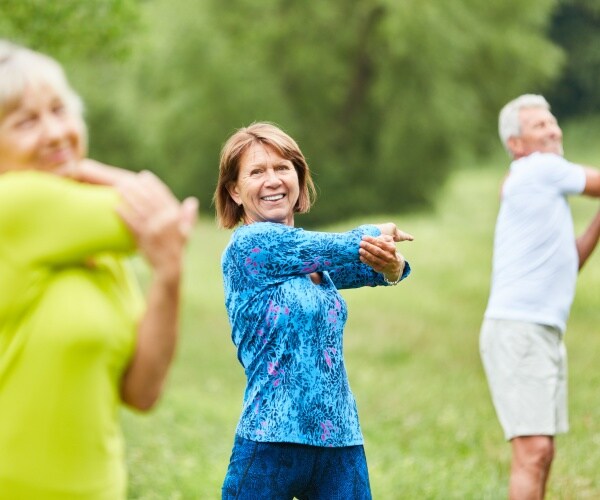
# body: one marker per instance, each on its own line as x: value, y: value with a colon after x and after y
x: 298, y: 435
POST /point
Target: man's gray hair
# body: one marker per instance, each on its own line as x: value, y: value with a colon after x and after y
x: 509, y: 124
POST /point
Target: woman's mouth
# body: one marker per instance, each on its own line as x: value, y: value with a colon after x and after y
x: 59, y: 156
x: 273, y: 197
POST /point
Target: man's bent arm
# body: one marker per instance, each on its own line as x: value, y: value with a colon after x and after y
x: 588, y: 240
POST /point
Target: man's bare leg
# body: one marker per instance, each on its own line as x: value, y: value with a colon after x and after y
x: 531, y: 460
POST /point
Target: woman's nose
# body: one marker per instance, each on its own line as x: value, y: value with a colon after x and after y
x: 272, y: 177
x: 54, y: 127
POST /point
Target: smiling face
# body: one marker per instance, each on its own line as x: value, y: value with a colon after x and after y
x: 40, y: 133
x: 539, y: 133
x: 267, y: 186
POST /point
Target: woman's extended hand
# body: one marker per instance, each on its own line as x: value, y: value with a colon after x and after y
x: 380, y: 252
x: 390, y: 229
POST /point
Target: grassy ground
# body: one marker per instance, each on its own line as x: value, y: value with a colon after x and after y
x: 413, y: 362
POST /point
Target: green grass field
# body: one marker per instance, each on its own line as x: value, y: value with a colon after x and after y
x: 412, y: 358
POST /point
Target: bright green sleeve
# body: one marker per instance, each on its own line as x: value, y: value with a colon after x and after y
x: 51, y: 220
x: 69, y: 311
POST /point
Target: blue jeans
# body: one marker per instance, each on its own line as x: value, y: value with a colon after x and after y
x: 282, y: 471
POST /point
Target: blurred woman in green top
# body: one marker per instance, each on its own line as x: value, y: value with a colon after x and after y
x: 76, y: 338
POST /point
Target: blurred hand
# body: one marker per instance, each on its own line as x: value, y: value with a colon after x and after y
x: 93, y: 172
x: 160, y: 224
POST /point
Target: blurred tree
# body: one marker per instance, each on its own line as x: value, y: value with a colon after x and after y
x: 187, y: 88
x: 70, y: 28
x: 382, y: 95
x: 576, y: 28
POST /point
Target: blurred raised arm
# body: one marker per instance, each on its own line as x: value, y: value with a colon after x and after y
x: 161, y: 226
x: 592, y: 182
x: 587, y: 242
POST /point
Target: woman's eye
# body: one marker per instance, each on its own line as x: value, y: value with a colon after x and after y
x: 25, y: 121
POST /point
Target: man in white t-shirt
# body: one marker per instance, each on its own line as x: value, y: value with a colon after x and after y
x: 535, y: 265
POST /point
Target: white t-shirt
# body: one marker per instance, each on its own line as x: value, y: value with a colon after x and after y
x: 535, y: 260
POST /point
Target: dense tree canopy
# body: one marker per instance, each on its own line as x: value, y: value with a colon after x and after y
x: 68, y: 28
x: 576, y: 27
x: 383, y: 96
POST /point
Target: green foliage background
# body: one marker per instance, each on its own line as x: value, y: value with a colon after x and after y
x: 383, y: 96
x: 70, y: 28
x: 576, y: 26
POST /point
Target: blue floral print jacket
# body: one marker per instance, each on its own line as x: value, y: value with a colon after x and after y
x: 288, y: 331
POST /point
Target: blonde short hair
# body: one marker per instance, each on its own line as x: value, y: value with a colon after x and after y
x: 22, y: 68
x: 229, y: 214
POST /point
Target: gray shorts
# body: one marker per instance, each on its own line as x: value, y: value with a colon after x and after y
x: 526, y: 368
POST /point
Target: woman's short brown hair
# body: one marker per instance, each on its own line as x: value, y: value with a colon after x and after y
x: 229, y: 213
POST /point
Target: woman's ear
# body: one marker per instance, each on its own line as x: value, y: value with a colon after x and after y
x: 232, y: 189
